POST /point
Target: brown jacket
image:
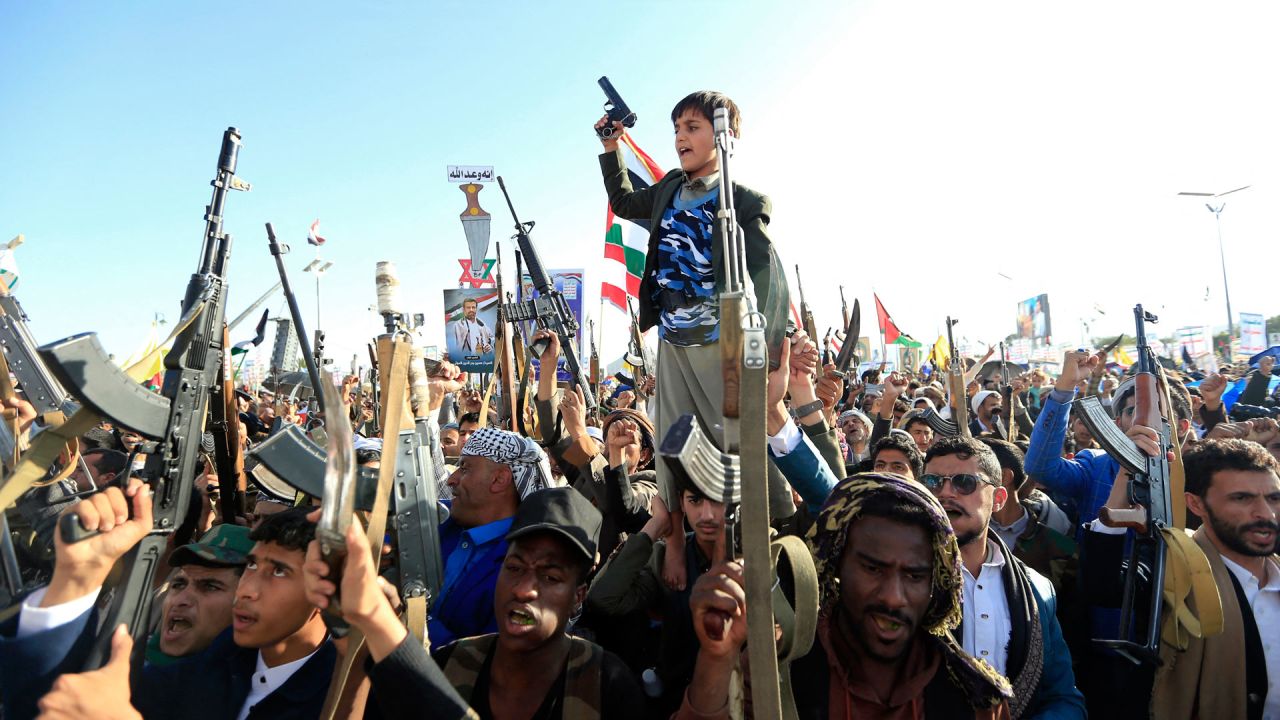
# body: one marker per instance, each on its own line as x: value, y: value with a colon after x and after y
x: 1208, y: 679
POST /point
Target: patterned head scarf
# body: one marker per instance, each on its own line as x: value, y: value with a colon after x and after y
x: 529, y: 466
x: 830, y: 533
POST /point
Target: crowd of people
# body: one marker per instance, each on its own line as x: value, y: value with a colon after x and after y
x: 963, y: 574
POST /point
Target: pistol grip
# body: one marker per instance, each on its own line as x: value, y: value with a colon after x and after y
x: 72, y: 531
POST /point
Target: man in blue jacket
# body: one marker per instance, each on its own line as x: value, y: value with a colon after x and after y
x: 275, y: 661
x: 1009, y: 611
x: 1084, y: 482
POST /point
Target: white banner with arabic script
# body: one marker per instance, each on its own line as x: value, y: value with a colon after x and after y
x: 471, y: 173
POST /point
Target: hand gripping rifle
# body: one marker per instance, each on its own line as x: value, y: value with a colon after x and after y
x: 739, y: 473
x: 958, y: 425
x: 1149, y: 493
x: 549, y: 309
x: 171, y: 421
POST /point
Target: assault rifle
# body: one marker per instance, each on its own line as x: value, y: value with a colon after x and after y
x: 806, y: 312
x: 549, y: 309
x: 958, y: 425
x: 1149, y: 494
x: 171, y: 421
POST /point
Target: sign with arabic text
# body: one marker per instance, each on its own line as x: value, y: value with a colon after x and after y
x: 471, y: 173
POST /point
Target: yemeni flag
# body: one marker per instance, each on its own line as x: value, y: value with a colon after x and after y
x: 260, y: 334
x: 313, y: 235
x: 626, y: 241
x: 889, y: 329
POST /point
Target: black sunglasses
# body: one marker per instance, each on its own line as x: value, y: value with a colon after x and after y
x: 964, y: 483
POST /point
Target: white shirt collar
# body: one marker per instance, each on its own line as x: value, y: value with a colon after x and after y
x: 1246, y: 577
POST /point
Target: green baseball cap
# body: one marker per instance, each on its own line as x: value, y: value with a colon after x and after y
x: 223, y: 545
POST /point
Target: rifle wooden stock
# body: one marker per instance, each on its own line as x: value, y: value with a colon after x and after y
x: 731, y: 313
x: 228, y: 452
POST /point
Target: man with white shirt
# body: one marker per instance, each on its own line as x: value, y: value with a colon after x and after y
x: 1233, y: 487
x: 1009, y: 617
x: 470, y: 334
x: 275, y: 661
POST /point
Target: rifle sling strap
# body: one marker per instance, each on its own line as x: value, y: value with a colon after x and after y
x: 1188, y: 573
x: 799, y: 621
x: 43, y: 451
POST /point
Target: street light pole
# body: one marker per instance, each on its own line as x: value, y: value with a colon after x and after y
x: 1222, y: 255
x: 318, y: 267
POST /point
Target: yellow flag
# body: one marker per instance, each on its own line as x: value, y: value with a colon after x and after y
x: 149, y: 359
x: 940, y: 355
x: 1123, y: 357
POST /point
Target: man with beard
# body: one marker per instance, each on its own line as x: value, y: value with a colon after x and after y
x: 1009, y: 609
x: 856, y: 427
x: 470, y: 334
x: 1233, y: 487
x: 890, y: 592
x: 987, y: 407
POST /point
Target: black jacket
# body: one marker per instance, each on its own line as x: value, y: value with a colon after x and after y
x: 764, y: 267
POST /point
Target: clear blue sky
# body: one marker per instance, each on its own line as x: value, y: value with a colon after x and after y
x: 936, y: 141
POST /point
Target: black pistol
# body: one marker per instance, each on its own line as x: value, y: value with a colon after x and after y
x: 616, y: 108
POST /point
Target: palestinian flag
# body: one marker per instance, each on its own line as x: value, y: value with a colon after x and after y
x: 892, y: 335
x: 626, y: 241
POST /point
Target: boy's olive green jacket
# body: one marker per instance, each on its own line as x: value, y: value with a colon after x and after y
x: 764, y: 267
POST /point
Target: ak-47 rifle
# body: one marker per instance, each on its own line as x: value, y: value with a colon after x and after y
x: 1006, y: 394
x: 738, y: 475
x: 549, y: 309
x: 642, y: 364
x: 958, y: 425
x: 806, y: 312
x: 1149, y: 493
x: 827, y: 355
x: 171, y: 421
